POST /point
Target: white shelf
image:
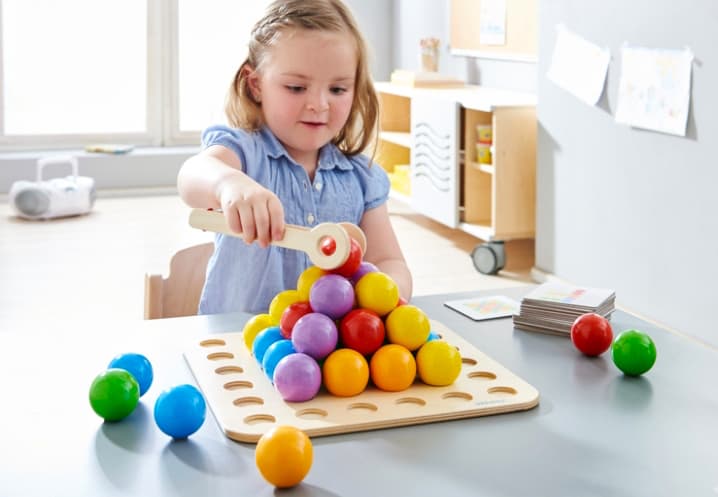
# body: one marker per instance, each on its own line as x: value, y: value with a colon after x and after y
x: 484, y: 232
x: 396, y: 137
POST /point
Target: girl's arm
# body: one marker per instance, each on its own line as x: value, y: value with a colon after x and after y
x: 383, y: 248
x: 213, y: 179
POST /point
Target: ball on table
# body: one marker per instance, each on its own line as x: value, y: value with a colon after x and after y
x: 138, y: 366
x: 409, y: 326
x: 376, y: 291
x: 438, y: 363
x: 364, y: 268
x: 332, y: 295
x: 362, y: 330
x: 591, y: 333
x: 274, y: 354
x: 351, y: 265
x: 263, y: 340
x: 633, y: 352
x: 307, y: 279
x: 284, y: 456
x: 254, y: 325
x: 180, y: 411
x: 291, y: 315
x: 297, y: 377
x: 345, y: 373
x: 315, y: 334
x: 114, y: 394
x: 392, y: 368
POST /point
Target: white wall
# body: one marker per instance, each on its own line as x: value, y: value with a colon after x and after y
x: 417, y: 19
x: 623, y: 207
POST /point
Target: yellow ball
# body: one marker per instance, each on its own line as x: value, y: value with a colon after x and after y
x: 284, y: 456
x: 254, y: 326
x: 409, y: 326
x: 281, y: 301
x: 377, y: 292
x: 438, y: 363
x: 307, y: 279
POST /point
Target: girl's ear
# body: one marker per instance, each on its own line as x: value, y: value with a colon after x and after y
x: 252, y: 78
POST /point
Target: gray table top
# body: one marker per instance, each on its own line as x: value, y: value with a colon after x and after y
x: 594, y: 433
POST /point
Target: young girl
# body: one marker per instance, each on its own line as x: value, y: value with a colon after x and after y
x: 302, y: 107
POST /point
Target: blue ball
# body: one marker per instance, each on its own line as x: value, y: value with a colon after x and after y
x: 274, y: 354
x: 433, y: 336
x: 262, y: 341
x: 180, y: 411
x: 138, y: 366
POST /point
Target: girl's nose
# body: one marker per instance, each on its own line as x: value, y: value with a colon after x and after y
x: 318, y: 101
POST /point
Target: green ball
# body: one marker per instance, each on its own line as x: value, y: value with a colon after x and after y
x: 633, y: 352
x: 114, y: 394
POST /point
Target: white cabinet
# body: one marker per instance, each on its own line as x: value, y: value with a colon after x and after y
x: 434, y: 131
x: 434, y: 155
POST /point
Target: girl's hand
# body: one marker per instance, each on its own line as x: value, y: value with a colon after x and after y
x: 252, y: 210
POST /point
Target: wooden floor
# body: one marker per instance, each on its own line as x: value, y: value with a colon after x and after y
x: 90, y: 267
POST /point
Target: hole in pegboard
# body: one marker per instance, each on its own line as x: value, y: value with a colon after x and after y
x: 482, y: 375
x: 312, y: 413
x: 256, y: 419
x: 217, y: 356
x: 248, y: 401
x: 229, y: 370
x: 411, y: 400
x: 213, y: 342
x: 502, y: 390
x: 238, y: 385
x: 458, y: 395
x: 469, y: 361
x: 366, y: 406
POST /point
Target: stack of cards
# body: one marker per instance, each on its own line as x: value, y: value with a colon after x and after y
x: 553, y: 307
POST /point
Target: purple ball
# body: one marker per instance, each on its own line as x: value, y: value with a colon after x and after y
x: 297, y: 377
x: 332, y: 295
x: 315, y: 334
x: 364, y: 267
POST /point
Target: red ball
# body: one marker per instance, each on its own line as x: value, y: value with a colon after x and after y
x: 352, y: 263
x: 591, y: 334
x: 291, y: 315
x: 328, y: 245
x: 362, y: 330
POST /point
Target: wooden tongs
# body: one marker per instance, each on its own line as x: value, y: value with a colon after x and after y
x: 308, y: 240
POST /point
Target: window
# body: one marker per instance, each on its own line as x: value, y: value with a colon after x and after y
x: 146, y: 72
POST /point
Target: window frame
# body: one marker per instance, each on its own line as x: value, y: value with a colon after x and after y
x: 162, y: 88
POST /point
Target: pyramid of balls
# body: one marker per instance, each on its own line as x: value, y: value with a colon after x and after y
x: 342, y: 329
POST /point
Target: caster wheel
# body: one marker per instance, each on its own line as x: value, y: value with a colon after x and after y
x: 489, y: 258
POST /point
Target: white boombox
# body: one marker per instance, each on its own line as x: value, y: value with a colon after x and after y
x: 58, y: 197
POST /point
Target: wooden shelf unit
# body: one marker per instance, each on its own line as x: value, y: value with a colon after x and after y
x: 434, y: 130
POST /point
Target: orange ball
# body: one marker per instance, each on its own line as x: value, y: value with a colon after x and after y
x: 345, y: 373
x: 284, y: 456
x: 377, y: 292
x: 393, y: 368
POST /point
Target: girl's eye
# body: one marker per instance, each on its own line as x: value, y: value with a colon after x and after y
x: 338, y: 91
x: 295, y: 89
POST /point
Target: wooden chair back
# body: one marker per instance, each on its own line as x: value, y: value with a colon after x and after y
x: 178, y: 294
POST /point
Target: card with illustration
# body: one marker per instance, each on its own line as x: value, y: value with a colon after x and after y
x: 480, y: 308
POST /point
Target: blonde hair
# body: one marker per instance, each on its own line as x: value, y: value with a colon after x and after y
x: 243, y: 111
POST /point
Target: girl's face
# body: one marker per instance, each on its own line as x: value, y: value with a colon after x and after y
x: 306, y: 89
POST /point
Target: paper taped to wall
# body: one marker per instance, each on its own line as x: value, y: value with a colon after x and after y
x: 578, y: 66
x: 654, y: 89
